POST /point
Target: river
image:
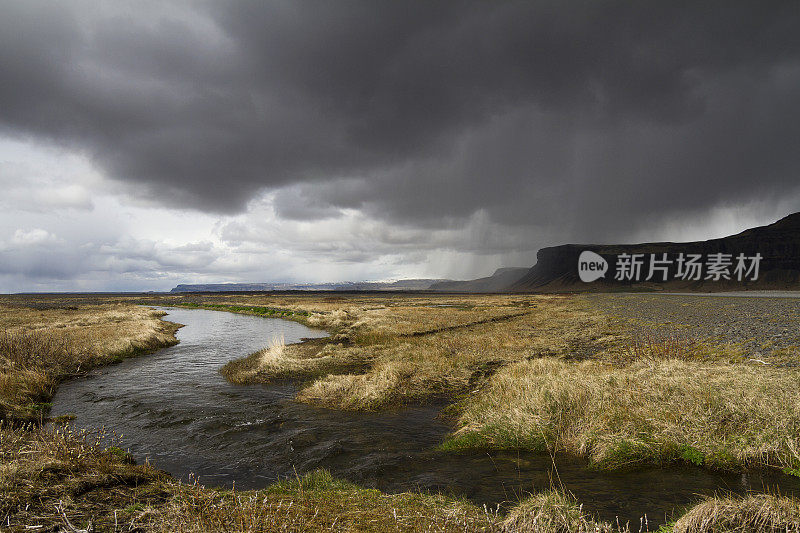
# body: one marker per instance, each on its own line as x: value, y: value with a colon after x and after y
x: 174, y: 409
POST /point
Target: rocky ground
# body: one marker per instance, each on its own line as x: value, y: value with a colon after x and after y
x: 766, y: 328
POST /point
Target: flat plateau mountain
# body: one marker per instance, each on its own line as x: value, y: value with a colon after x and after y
x: 777, y: 244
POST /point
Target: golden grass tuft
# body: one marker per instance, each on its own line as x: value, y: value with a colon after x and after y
x: 381, y: 387
x: 656, y: 412
x: 272, y: 355
x: 553, y: 512
x: 762, y: 513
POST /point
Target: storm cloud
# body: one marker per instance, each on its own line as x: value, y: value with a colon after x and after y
x: 546, y: 120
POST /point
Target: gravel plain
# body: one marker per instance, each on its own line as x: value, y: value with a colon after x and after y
x: 766, y: 326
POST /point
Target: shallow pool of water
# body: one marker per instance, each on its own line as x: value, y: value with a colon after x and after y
x: 175, y: 409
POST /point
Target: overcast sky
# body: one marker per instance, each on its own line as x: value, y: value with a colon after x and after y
x: 145, y: 144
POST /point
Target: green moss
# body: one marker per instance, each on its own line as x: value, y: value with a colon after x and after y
x: 136, y: 507
x: 692, y: 455
x: 792, y: 471
x: 121, y: 454
x: 627, y: 454
x: 62, y: 419
x: 722, y: 459
x: 272, y: 312
x: 318, y: 480
x: 39, y: 407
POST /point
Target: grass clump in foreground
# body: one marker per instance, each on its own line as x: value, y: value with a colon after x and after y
x: 554, y: 512
x: 761, y: 513
x: 318, y: 502
x: 656, y: 412
x: 51, y: 478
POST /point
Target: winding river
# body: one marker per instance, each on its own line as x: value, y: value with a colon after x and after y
x: 175, y: 409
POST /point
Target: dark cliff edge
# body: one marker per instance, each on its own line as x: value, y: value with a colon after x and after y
x: 556, y: 268
x: 500, y: 281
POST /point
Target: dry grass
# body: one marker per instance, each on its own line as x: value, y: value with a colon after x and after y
x: 54, y: 479
x: 667, y: 343
x: 416, y: 349
x: 266, y: 359
x: 720, y: 415
x: 51, y: 477
x: 525, y: 371
x: 39, y: 348
x: 554, y: 512
x: 44, y: 470
x: 761, y: 513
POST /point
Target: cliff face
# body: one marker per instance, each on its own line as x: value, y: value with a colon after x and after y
x: 778, y: 244
x: 500, y: 281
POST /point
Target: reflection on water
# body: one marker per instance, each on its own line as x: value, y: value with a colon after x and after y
x: 174, y: 408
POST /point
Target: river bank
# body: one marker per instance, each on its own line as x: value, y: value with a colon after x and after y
x: 47, y: 343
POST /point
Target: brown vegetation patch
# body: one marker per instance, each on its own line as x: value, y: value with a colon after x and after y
x: 762, y: 513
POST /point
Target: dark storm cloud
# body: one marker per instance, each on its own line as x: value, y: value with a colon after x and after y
x: 586, y: 115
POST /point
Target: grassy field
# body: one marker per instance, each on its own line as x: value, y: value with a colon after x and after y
x: 562, y: 374
x: 386, y: 351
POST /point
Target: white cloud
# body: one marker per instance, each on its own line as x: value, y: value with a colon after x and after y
x: 67, y: 197
x: 38, y: 178
x: 35, y: 236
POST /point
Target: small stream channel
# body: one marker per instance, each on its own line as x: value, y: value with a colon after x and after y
x: 174, y: 408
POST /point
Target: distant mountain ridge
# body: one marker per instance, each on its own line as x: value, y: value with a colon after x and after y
x: 400, y: 285
x: 500, y: 281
